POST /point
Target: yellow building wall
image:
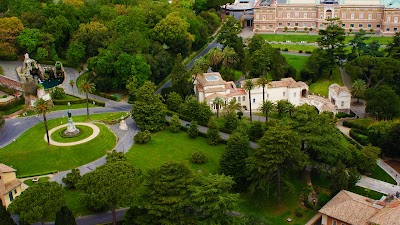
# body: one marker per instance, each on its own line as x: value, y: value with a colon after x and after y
x: 7, y: 197
x: 7, y: 177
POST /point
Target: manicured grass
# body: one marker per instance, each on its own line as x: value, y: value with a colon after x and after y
x: 84, y: 132
x: 321, y: 86
x: 270, y: 209
x: 380, y: 174
x: 166, y: 146
x: 31, y: 156
x: 294, y: 47
x: 298, y: 62
x: 12, y: 110
x: 29, y: 182
x: 81, y: 78
x: 366, y: 192
x: 73, y: 203
x: 72, y: 106
x: 313, y: 38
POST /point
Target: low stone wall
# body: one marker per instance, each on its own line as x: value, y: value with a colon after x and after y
x: 11, y: 83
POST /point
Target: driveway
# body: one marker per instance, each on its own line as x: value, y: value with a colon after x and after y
x: 377, y: 185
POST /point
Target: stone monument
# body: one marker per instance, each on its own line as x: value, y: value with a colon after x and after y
x: 123, y: 126
x: 71, y: 129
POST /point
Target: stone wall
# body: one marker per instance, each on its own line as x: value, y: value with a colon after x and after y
x: 11, y: 83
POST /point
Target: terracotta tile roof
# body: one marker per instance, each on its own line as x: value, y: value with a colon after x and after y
x: 209, y: 79
x: 211, y: 97
x: 350, y: 208
x: 218, y: 89
x: 6, y: 169
x: 284, y: 82
x: 390, y: 215
x: 339, y: 89
x: 11, y: 186
x: 237, y: 92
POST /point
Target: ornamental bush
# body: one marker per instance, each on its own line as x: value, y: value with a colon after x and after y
x: 193, y: 130
x: 199, y: 157
x: 142, y: 137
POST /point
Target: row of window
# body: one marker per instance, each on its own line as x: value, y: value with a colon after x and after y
x: 296, y: 24
x: 360, y: 25
x: 314, y: 15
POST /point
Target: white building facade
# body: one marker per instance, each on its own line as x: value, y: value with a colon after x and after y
x: 340, y: 96
x: 211, y: 85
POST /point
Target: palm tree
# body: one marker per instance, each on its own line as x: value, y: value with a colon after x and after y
x: 218, y: 102
x: 42, y: 107
x: 248, y: 86
x: 228, y: 56
x: 233, y: 106
x: 199, y: 67
x: 72, y: 83
x: 267, y: 107
x: 262, y: 82
x: 281, y: 106
x: 87, y: 87
x: 214, y: 57
x: 358, y: 88
x: 290, y: 108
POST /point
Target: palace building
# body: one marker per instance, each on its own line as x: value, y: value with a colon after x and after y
x: 379, y: 16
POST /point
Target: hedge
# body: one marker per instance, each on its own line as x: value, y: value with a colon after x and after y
x: 362, y: 124
x: 353, y: 142
x: 38, y: 174
x: 7, y: 90
x: 15, y: 103
x: 77, y: 101
x: 2, y: 121
x: 360, y: 138
x: 107, y: 96
x: 204, y: 135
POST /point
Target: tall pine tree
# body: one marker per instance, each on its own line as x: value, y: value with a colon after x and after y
x: 65, y: 217
x: 5, y: 216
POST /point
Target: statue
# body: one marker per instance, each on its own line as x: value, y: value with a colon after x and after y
x: 26, y: 56
x: 69, y: 114
x: 71, y: 129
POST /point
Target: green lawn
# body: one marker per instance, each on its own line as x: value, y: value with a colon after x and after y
x: 366, y: 192
x: 294, y: 47
x: 167, y: 146
x: 321, y: 86
x: 72, y: 106
x: 84, y: 132
x: 73, y: 203
x: 31, y: 156
x: 298, y: 62
x: 313, y: 38
x: 380, y: 174
x: 272, y: 212
x: 29, y: 182
x: 81, y: 78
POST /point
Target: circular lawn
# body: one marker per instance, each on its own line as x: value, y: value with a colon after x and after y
x: 30, y: 155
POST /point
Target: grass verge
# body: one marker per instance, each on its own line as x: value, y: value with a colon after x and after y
x: 84, y: 132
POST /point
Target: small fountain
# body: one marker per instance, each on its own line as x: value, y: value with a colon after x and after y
x: 71, y: 130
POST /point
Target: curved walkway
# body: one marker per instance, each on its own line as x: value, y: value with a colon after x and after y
x: 96, y: 131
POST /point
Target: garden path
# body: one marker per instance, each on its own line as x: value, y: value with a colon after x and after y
x: 125, y: 142
x: 378, y: 185
x: 389, y: 170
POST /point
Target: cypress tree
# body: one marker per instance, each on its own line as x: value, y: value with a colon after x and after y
x: 65, y: 217
x: 5, y: 216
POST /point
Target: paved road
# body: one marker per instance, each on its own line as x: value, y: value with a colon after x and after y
x: 213, y: 44
x: 389, y: 170
x: 377, y: 185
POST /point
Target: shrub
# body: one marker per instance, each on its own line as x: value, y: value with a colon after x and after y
x: 175, y: 124
x: 57, y: 93
x: 193, y: 130
x: 199, y: 157
x: 342, y: 115
x: 286, y: 50
x: 299, y: 212
x: 256, y: 130
x: 240, y: 114
x: 72, y: 178
x: 323, y: 198
x: 278, y: 49
x: 77, y: 101
x: 142, y: 137
x: 360, y: 138
x: 300, y: 51
x: 213, y: 136
x: 362, y: 124
x: 231, y: 122
x: 4, y: 96
x: 107, y: 96
x: 308, y: 52
x: 16, y: 102
x: 1, y: 121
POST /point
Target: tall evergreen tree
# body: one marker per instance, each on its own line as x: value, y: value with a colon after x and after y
x: 148, y: 111
x: 269, y: 165
x: 65, y: 217
x: 180, y: 78
x: 166, y: 195
x: 232, y: 161
x: 213, y: 136
x: 5, y: 216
